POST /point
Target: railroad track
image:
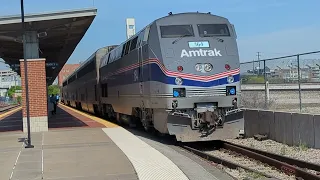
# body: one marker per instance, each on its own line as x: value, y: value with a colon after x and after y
x: 4, y: 109
x: 289, y: 166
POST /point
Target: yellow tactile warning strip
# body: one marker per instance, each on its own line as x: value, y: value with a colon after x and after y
x: 10, y: 112
x: 99, y: 120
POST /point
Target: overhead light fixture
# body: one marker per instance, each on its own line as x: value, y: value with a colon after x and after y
x: 42, y: 34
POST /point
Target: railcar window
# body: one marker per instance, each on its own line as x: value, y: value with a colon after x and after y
x: 104, y: 92
x: 108, y: 58
x: 127, y: 48
x: 140, y: 38
x: 72, y: 78
x: 174, y: 31
x: 118, y: 53
x: 88, y: 68
x: 206, y: 30
x: 133, y: 43
x: 113, y: 55
x: 65, y: 83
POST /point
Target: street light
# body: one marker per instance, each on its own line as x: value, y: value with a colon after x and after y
x: 26, y: 76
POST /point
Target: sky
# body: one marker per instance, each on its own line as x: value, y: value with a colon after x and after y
x: 273, y: 27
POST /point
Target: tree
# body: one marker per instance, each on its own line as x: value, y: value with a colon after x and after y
x: 53, y: 89
x: 19, y: 99
x: 12, y: 90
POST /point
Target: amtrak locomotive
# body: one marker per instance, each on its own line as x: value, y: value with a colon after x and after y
x: 179, y: 75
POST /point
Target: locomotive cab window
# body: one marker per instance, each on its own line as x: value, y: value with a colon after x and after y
x: 207, y: 30
x: 174, y: 31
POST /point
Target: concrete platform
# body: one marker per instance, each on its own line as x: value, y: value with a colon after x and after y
x: 69, y: 118
x: 86, y: 153
x: 65, y: 118
x: 94, y: 153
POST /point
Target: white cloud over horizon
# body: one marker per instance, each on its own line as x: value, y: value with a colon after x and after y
x: 249, y: 6
x: 280, y: 43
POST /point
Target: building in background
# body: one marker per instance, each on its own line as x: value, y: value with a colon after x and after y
x: 8, y: 78
x: 130, y: 27
x: 286, y: 74
x: 65, y: 71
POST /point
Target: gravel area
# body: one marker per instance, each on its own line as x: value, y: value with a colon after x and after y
x: 250, y: 163
x: 302, y: 152
x: 282, y: 101
x: 242, y: 174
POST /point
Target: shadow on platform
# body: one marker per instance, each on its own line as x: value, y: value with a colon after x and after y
x: 66, y: 118
x: 63, y: 119
x: 12, y: 122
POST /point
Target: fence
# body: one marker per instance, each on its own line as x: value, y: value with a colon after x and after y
x: 6, y: 101
x: 293, y: 129
x: 289, y: 83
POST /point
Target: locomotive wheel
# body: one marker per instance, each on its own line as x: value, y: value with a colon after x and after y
x: 145, y: 122
x: 145, y: 125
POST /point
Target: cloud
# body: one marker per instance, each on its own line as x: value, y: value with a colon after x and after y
x: 250, y: 6
x: 281, y: 43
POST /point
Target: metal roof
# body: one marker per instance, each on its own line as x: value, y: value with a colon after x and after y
x: 64, y: 30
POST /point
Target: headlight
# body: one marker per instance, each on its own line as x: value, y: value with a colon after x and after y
x: 178, y: 81
x: 230, y: 79
x: 231, y: 90
x: 207, y: 67
x: 198, y: 67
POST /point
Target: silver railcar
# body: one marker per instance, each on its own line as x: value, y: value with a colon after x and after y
x: 81, y: 88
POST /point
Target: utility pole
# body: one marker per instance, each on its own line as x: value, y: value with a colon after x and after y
x: 258, y: 54
x: 29, y: 145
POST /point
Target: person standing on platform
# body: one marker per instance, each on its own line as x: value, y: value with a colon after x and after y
x: 53, y: 100
x: 57, y: 98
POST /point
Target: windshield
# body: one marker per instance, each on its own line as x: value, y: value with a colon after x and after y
x: 213, y: 30
x: 174, y: 31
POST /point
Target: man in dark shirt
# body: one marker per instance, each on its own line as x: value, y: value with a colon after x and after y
x: 53, y: 100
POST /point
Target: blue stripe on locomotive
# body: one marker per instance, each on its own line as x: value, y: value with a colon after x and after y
x: 127, y: 77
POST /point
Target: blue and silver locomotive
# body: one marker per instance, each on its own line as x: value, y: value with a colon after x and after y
x: 179, y: 75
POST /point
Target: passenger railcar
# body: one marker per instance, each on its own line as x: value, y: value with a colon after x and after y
x: 179, y: 75
x: 81, y: 88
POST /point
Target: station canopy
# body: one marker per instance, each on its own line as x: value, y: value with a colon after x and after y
x: 58, y: 34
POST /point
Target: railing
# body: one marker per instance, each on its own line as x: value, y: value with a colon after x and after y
x: 4, y: 101
x: 289, y: 83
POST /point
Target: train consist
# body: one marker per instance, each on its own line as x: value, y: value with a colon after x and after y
x: 179, y: 75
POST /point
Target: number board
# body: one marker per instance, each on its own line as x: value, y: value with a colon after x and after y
x: 199, y: 44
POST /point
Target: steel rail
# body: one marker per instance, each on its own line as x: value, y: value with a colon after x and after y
x: 222, y: 161
x: 296, y: 162
x: 272, y: 161
x: 287, y: 165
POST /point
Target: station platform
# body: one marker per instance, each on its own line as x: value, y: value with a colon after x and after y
x: 81, y: 146
x: 66, y: 117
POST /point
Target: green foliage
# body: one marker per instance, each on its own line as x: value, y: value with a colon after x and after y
x: 252, y: 79
x: 19, y: 99
x: 53, y: 89
x: 12, y: 90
